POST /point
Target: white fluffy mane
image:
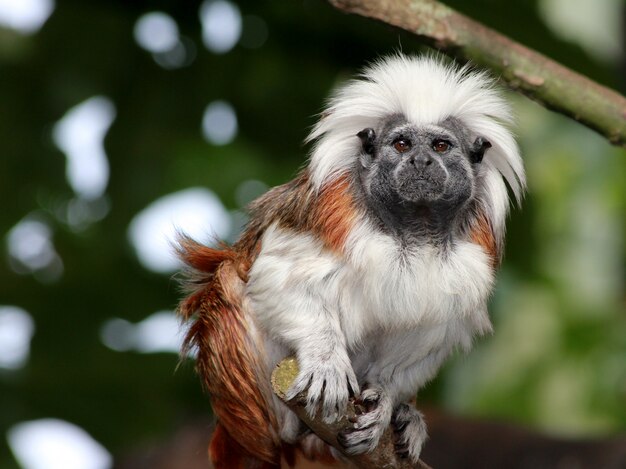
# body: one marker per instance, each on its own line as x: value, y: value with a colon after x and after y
x: 426, y: 91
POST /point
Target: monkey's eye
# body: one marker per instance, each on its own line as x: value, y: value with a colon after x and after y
x: 401, y: 145
x: 441, y: 146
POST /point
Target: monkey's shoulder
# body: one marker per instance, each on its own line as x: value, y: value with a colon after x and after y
x: 286, y: 204
x: 328, y: 214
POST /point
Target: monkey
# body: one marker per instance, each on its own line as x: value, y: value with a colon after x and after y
x: 371, y: 266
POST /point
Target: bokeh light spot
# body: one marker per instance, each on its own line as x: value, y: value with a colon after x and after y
x: 221, y: 25
x: 578, y: 21
x: 80, y: 213
x: 219, y: 123
x: 249, y: 190
x: 56, y: 444
x: 16, y: 330
x: 25, y: 16
x: 181, y: 55
x: 30, y: 248
x: 118, y: 334
x: 80, y: 135
x: 196, y: 212
x: 156, y: 32
x: 159, y: 332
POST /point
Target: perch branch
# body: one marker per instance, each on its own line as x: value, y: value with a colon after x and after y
x: 384, y: 457
x: 520, y: 68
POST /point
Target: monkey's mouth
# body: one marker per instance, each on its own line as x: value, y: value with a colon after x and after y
x: 420, y: 188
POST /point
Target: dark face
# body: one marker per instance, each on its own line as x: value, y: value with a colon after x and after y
x: 414, y: 177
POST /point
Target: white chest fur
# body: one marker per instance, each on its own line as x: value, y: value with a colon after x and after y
x: 388, y: 288
x: 397, y: 312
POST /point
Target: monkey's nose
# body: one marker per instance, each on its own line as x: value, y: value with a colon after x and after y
x: 421, y: 161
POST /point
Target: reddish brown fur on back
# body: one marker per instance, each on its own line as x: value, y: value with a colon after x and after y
x: 226, y: 453
x: 482, y: 234
x: 202, y: 258
x: 225, y: 361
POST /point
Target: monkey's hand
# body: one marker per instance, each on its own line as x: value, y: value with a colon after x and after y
x: 368, y: 427
x: 329, y: 381
x: 409, y: 430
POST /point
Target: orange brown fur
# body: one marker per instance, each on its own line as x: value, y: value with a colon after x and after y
x: 335, y: 213
x: 225, y: 359
x: 329, y: 214
x: 226, y: 453
x: 481, y: 233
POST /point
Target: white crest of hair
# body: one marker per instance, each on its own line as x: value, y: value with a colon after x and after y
x: 426, y: 91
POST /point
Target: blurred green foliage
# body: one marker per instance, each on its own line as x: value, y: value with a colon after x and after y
x: 557, y: 360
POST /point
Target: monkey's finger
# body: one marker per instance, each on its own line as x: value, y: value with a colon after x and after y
x: 314, y: 395
x: 353, y: 385
x: 316, y: 388
x: 355, y: 442
x: 370, y: 399
x: 299, y: 385
x: 336, y: 397
x: 359, y: 426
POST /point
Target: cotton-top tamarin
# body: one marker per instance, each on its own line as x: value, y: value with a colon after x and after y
x: 371, y: 266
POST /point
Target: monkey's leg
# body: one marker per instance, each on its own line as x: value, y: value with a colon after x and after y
x: 410, y: 431
x: 366, y: 431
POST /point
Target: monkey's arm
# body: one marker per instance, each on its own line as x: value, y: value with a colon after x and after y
x: 384, y: 455
x: 288, y: 286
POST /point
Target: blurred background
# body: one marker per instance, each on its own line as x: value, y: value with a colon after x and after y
x: 123, y: 121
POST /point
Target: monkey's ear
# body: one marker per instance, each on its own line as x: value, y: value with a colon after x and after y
x: 478, y: 149
x: 367, y: 136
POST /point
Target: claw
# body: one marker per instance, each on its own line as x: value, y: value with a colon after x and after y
x: 402, y: 454
x: 342, y: 440
x: 370, y: 400
x: 399, y: 426
x: 351, y: 392
x: 364, y: 426
x: 371, y: 405
x: 401, y: 447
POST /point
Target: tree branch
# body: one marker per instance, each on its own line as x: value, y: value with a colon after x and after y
x: 520, y: 68
x: 383, y: 457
